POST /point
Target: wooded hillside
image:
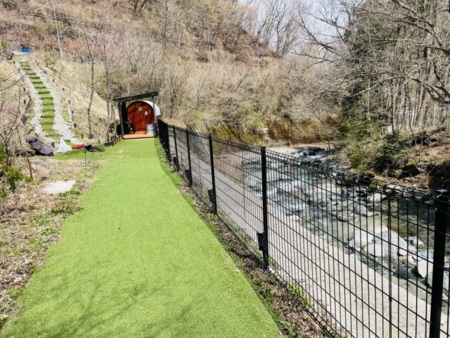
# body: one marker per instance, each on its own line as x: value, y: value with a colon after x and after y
x: 257, y: 71
x: 212, y: 74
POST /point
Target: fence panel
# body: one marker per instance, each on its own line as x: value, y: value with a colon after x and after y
x: 182, y: 142
x: 201, y: 166
x: 368, y: 258
x: 340, y: 241
x: 235, y: 201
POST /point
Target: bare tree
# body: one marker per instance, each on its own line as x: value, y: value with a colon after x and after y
x: 91, y: 41
x: 138, y: 5
x: 275, y: 24
x: 98, y: 41
x: 393, y: 55
x: 110, y: 55
x: 10, y: 113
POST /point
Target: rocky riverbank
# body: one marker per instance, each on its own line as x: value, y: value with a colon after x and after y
x: 390, y: 231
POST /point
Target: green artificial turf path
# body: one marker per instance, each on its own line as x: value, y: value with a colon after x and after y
x: 137, y: 261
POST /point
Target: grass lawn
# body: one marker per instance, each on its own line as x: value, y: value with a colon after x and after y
x: 137, y: 261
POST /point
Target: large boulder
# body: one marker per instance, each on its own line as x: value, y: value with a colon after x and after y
x: 390, y: 240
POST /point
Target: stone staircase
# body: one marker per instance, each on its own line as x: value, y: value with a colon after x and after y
x: 48, y: 120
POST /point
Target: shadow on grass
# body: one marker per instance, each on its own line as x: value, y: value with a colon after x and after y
x: 86, y: 318
x: 170, y: 172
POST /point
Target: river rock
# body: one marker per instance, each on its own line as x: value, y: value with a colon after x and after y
x: 298, y: 184
x: 414, y: 240
x: 429, y: 280
x: 423, y: 268
x: 362, y: 210
x: 254, y: 182
x: 375, y: 250
x: 299, y: 156
x: 275, y: 164
x: 360, y: 238
x: 272, y: 191
x: 342, y: 217
x: 334, y: 197
x: 294, y: 207
x: 328, y: 186
x: 376, y: 198
x: 251, y: 164
x: 429, y: 202
x: 294, y: 218
x: 274, y: 175
x: 426, y: 254
x: 380, y: 229
x: 395, y: 244
x: 410, y: 260
x: 404, y: 272
x: 410, y: 250
x: 350, y: 195
x: 317, y: 197
x: 311, y: 151
x: 287, y: 187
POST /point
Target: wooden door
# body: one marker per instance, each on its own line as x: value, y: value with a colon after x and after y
x: 140, y: 114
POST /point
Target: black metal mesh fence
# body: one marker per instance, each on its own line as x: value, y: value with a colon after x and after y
x: 368, y: 258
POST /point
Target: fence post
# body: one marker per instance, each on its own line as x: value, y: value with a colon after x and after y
x: 175, y: 159
x: 163, y: 136
x: 265, y: 234
x: 212, y: 196
x: 189, y: 170
x: 166, y: 131
x: 442, y: 203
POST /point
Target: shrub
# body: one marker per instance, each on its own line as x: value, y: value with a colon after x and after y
x: 357, y: 160
x: 13, y: 175
x: 393, y: 148
x: 3, y: 155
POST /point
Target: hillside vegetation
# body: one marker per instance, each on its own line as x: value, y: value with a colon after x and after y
x: 210, y: 73
x: 370, y: 77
